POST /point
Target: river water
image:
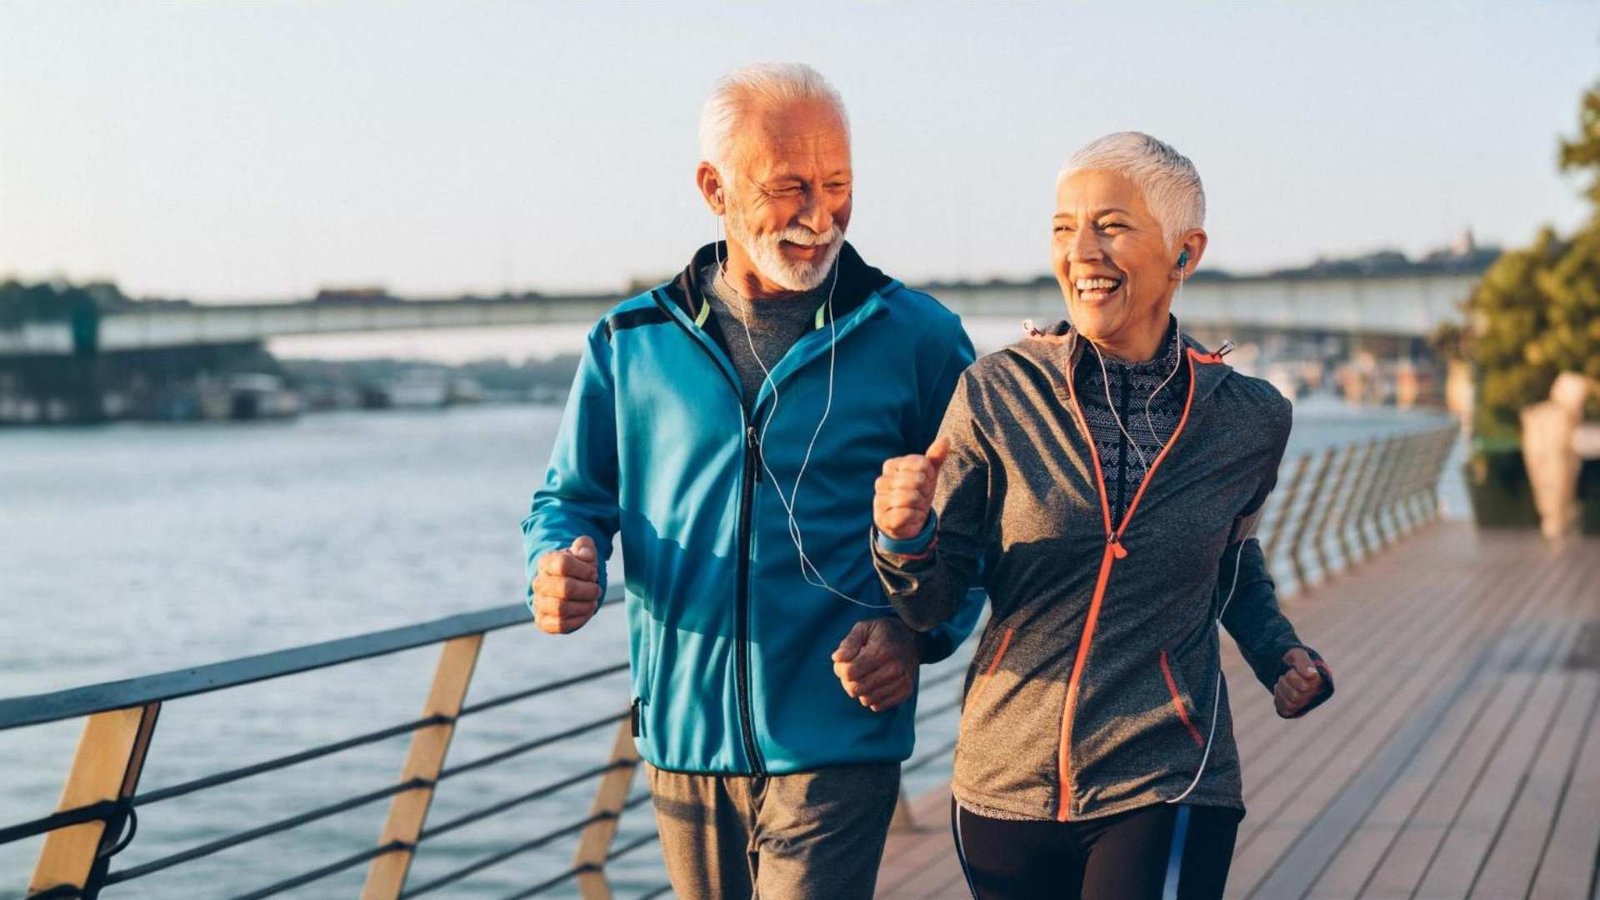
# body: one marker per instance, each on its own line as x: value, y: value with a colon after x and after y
x: 132, y: 549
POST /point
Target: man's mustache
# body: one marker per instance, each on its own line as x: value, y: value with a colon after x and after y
x: 805, y: 237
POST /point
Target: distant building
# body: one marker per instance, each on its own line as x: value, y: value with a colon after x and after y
x: 357, y: 294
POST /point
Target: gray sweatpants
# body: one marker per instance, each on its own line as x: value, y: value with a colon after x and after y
x: 815, y: 834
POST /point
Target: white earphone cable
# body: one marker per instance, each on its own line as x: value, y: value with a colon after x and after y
x: 1216, y: 701
x: 808, y: 569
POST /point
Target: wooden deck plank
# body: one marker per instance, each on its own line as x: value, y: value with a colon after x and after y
x: 1339, y: 618
x: 1509, y: 869
x: 1460, y: 754
x: 1421, y: 630
x: 1567, y: 868
x: 1406, y: 861
x: 1456, y: 863
x: 1343, y: 633
x: 1408, y: 606
x: 1366, y: 848
x: 1409, y: 857
x: 1300, y: 844
x: 922, y: 862
x: 1328, y: 811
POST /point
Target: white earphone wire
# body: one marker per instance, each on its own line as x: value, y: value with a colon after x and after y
x: 1105, y: 381
x: 1216, y: 699
x: 808, y: 569
x: 1177, y: 339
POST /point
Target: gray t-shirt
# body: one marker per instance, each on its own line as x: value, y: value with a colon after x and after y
x: 774, y: 325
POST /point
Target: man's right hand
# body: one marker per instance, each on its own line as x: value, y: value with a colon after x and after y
x: 903, y: 494
x: 566, y: 592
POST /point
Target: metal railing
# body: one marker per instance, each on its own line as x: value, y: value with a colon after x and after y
x: 99, y: 809
x: 1332, y: 509
x: 1338, y: 506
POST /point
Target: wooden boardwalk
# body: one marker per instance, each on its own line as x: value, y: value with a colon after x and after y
x: 1460, y: 758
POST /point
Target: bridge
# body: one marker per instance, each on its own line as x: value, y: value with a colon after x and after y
x: 1406, y: 306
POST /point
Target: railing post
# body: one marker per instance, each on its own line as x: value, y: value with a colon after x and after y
x: 1352, y: 507
x: 1338, y: 499
x: 386, y: 877
x: 1312, y: 510
x: 1384, y: 515
x: 1286, y: 508
x: 1428, y: 498
x: 1368, y: 517
x: 110, y: 757
x: 594, y: 845
x: 1426, y: 446
x: 1391, y: 525
x: 1407, y: 468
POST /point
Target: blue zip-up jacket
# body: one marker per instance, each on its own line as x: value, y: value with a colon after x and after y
x: 730, y: 645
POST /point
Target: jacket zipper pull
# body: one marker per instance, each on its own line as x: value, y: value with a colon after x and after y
x: 752, y: 442
x: 1117, y: 550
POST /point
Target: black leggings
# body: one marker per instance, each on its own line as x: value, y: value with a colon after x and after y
x: 1160, y: 852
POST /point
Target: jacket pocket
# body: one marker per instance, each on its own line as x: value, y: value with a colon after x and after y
x: 644, y: 679
x: 994, y: 665
x: 1178, y: 702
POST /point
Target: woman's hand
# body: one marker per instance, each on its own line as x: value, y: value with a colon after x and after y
x: 903, y: 494
x: 1299, y: 686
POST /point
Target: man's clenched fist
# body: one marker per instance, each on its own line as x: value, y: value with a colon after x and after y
x: 566, y: 592
x: 877, y: 663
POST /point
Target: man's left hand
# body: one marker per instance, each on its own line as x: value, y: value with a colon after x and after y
x: 877, y: 663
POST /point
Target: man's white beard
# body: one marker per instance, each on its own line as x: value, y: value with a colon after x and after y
x: 767, y: 256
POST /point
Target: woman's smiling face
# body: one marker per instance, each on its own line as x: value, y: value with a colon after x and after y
x: 1112, y: 261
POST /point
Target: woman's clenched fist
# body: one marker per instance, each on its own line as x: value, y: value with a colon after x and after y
x: 903, y: 494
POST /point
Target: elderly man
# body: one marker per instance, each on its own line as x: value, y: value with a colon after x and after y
x: 730, y: 424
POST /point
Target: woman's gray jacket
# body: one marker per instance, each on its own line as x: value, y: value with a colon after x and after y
x: 1093, y: 686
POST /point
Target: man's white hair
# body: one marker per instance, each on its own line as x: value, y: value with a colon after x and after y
x: 756, y: 86
x: 1168, y: 180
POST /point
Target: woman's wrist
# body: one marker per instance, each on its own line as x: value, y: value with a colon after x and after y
x: 912, y: 546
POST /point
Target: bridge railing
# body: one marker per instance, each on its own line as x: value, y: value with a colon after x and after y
x: 1332, y: 509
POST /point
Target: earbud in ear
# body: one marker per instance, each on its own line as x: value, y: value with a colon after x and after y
x: 1183, y: 260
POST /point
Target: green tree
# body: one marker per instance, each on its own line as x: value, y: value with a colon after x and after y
x: 1583, y: 152
x: 1537, y: 311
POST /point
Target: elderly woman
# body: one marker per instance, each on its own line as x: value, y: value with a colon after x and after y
x: 1101, y: 483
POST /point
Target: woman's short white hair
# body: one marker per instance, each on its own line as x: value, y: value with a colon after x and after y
x: 1168, y: 180
x: 755, y: 86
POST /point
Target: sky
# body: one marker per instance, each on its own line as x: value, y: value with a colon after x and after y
x: 229, y: 151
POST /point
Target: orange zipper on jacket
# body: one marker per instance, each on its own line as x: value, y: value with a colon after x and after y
x: 1114, y: 551
x: 1177, y: 701
x: 1005, y: 644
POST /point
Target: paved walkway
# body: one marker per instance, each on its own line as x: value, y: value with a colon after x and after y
x: 1460, y: 758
